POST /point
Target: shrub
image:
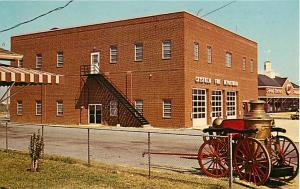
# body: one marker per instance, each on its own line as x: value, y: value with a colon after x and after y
x: 36, y: 147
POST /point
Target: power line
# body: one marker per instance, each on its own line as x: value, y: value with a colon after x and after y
x: 22, y: 23
x: 218, y: 8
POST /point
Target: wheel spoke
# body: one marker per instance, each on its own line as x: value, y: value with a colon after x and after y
x: 286, y: 148
x: 258, y: 174
x: 289, y: 152
x: 208, y: 162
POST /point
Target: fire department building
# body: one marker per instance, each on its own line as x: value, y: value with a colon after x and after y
x: 170, y: 70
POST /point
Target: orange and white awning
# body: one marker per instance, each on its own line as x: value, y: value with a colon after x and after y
x: 25, y: 76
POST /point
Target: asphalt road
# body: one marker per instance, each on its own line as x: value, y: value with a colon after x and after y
x: 124, y: 148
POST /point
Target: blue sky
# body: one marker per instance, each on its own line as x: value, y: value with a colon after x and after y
x: 274, y: 25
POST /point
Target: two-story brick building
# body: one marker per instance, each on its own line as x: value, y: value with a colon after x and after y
x: 176, y: 69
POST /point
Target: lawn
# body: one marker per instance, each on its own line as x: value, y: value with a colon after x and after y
x: 63, y: 172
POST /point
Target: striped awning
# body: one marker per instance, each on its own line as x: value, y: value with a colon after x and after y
x: 25, y: 76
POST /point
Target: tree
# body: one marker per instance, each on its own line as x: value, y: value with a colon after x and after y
x: 36, y: 147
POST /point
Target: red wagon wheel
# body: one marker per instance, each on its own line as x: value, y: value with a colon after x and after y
x: 252, y: 161
x: 213, y: 157
x: 285, y: 153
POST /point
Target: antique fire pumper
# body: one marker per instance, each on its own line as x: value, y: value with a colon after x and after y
x: 258, y: 119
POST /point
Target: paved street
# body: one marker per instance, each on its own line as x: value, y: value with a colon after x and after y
x: 125, y: 148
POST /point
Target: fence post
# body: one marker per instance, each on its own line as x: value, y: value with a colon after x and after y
x: 89, y: 161
x: 6, y: 138
x: 230, y: 162
x: 149, y: 156
x: 43, y: 151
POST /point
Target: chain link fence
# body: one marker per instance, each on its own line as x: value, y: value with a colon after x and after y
x: 151, y: 150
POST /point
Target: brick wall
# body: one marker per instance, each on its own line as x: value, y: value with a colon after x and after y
x: 150, y: 80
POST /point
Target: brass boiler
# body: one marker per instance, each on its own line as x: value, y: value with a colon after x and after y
x: 258, y: 119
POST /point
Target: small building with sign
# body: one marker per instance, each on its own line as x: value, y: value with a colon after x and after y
x: 279, y: 93
x: 171, y: 70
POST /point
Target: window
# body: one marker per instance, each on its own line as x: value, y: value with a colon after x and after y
x: 60, y: 59
x: 231, y: 103
x: 251, y: 66
x: 139, y: 106
x: 59, y: 108
x: 166, y: 49
x: 19, y: 107
x: 167, y: 109
x: 113, y: 110
x: 38, y: 107
x: 228, y: 59
x: 209, y: 55
x: 113, y: 54
x: 196, y: 51
x: 39, y: 61
x: 138, y: 52
x: 199, y: 103
x: 244, y: 64
x: 20, y: 63
x: 216, y: 104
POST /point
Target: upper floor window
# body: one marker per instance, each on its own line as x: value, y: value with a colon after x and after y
x: 60, y: 59
x: 138, y: 52
x: 209, y: 55
x: 113, y: 108
x: 113, y: 54
x: 20, y: 63
x: 59, y: 108
x: 228, y: 59
x: 19, y: 107
x: 196, y: 51
x: 38, y: 107
x: 167, y: 109
x: 244, y: 64
x: 39, y: 61
x: 166, y: 49
x: 251, y: 65
x: 139, y: 106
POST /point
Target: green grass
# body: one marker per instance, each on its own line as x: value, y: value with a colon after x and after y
x: 64, y: 172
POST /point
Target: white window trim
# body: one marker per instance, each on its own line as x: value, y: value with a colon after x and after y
x: 135, y: 51
x: 59, y: 65
x: 59, y: 103
x: 111, y: 109
x: 221, y: 101
x: 196, y: 50
x: 110, y: 54
x: 209, y: 60
x: 164, y: 111
x: 231, y: 101
x: 36, y: 108
x: 142, y: 105
x: 19, y: 106
x: 19, y: 65
x: 251, y: 65
x: 163, y: 54
x: 37, y: 60
x: 244, y: 62
x: 95, y: 69
x: 228, y: 64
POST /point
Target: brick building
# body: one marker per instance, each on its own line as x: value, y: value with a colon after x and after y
x: 175, y: 69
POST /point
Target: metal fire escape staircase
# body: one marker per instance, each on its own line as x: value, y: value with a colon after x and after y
x: 104, y: 81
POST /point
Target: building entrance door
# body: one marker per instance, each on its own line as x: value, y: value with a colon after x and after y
x: 199, y: 114
x: 95, y: 113
x: 95, y: 62
x: 216, y: 105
